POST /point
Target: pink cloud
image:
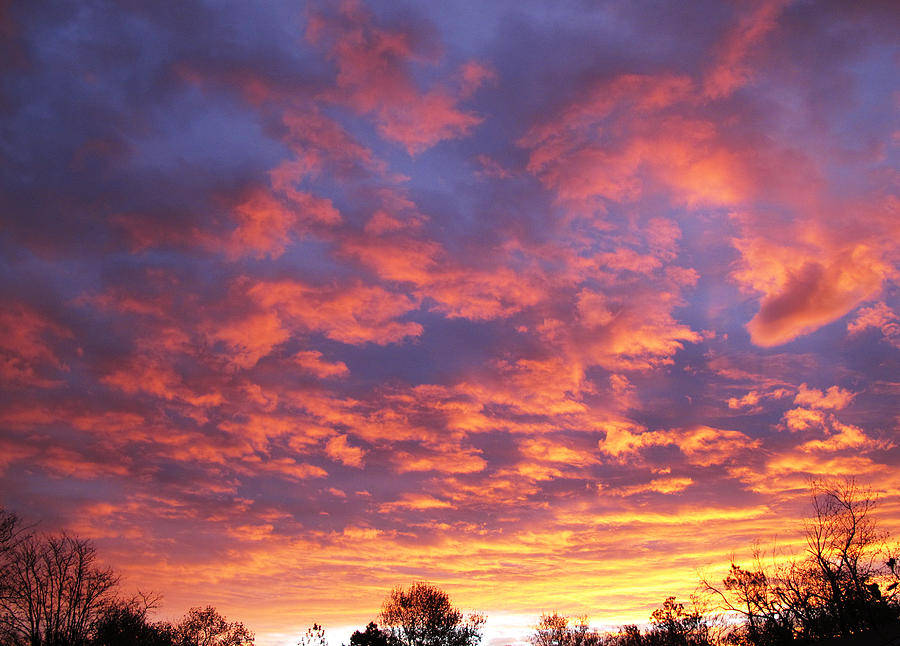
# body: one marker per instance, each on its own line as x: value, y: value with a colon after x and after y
x: 668, y: 485
x: 375, y: 78
x: 27, y: 355
x: 250, y: 338
x: 397, y: 250
x: 265, y: 225
x: 312, y: 361
x: 880, y: 317
x: 834, y: 398
x: 320, y: 144
x: 339, y: 449
x: 813, y: 295
x: 352, y: 314
x: 731, y: 69
x: 800, y: 419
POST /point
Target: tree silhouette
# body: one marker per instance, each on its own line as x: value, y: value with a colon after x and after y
x: 53, y: 590
x: 844, y: 544
x: 555, y: 630
x: 372, y: 636
x: 673, y: 625
x: 845, y: 585
x: 424, y: 616
x: 126, y: 623
x: 206, y: 627
x: 314, y: 636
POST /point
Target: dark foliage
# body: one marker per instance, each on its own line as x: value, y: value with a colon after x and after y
x: 424, y: 616
x: 557, y: 630
x: 371, y: 636
x: 844, y: 586
x: 126, y: 623
x: 206, y: 627
x: 844, y: 589
x: 53, y: 591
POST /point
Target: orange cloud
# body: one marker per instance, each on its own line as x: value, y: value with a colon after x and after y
x: 799, y: 419
x: 249, y: 339
x: 481, y: 291
x: 399, y: 259
x: 547, y: 449
x: 730, y: 69
x: 153, y: 376
x: 659, y: 485
x: 290, y: 468
x: 265, y: 225
x: 374, y: 77
x: 352, y: 314
x: 339, y: 449
x: 484, y: 294
x: 702, y: 445
x: 448, y: 457
x: 414, y: 502
x: 845, y: 436
x: 750, y: 399
x: 754, y: 399
x: 623, y: 333
x: 320, y: 144
x: 311, y: 360
x: 602, y: 145
x: 26, y: 355
x: 835, y: 397
x: 812, y: 295
x: 706, y: 446
x: 880, y: 317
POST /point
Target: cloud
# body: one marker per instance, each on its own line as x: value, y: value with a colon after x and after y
x: 705, y: 446
x: 813, y: 295
x: 750, y: 399
x: 730, y: 70
x: 799, y: 419
x: 249, y: 339
x: 834, y: 398
x: 339, y: 449
x: 659, y: 485
x: 415, y: 502
x: 375, y: 77
x: 26, y: 354
x: 266, y: 225
x: 880, y: 317
x: 311, y: 360
x: 353, y: 314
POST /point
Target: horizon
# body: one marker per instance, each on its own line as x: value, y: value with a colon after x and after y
x: 551, y: 305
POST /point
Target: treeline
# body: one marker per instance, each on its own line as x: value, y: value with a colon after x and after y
x: 54, y: 592
x: 843, y: 589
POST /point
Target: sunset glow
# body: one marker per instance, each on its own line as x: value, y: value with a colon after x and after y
x: 554, y: 305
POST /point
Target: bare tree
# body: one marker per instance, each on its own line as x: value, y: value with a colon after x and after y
x: 314, y: 636
x: 424, y: 616
x: 768, y: 597
x: 846, y: 584
x: 206, y: 627
x: 11, y: 529
x: 126, y: 622
x: 558, y: 630
x: 676, y: 626
x: 11, y: 533
x: 53, y: 591
x: 845, y: 544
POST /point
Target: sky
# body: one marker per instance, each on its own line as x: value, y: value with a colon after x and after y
x: 554, y: 305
